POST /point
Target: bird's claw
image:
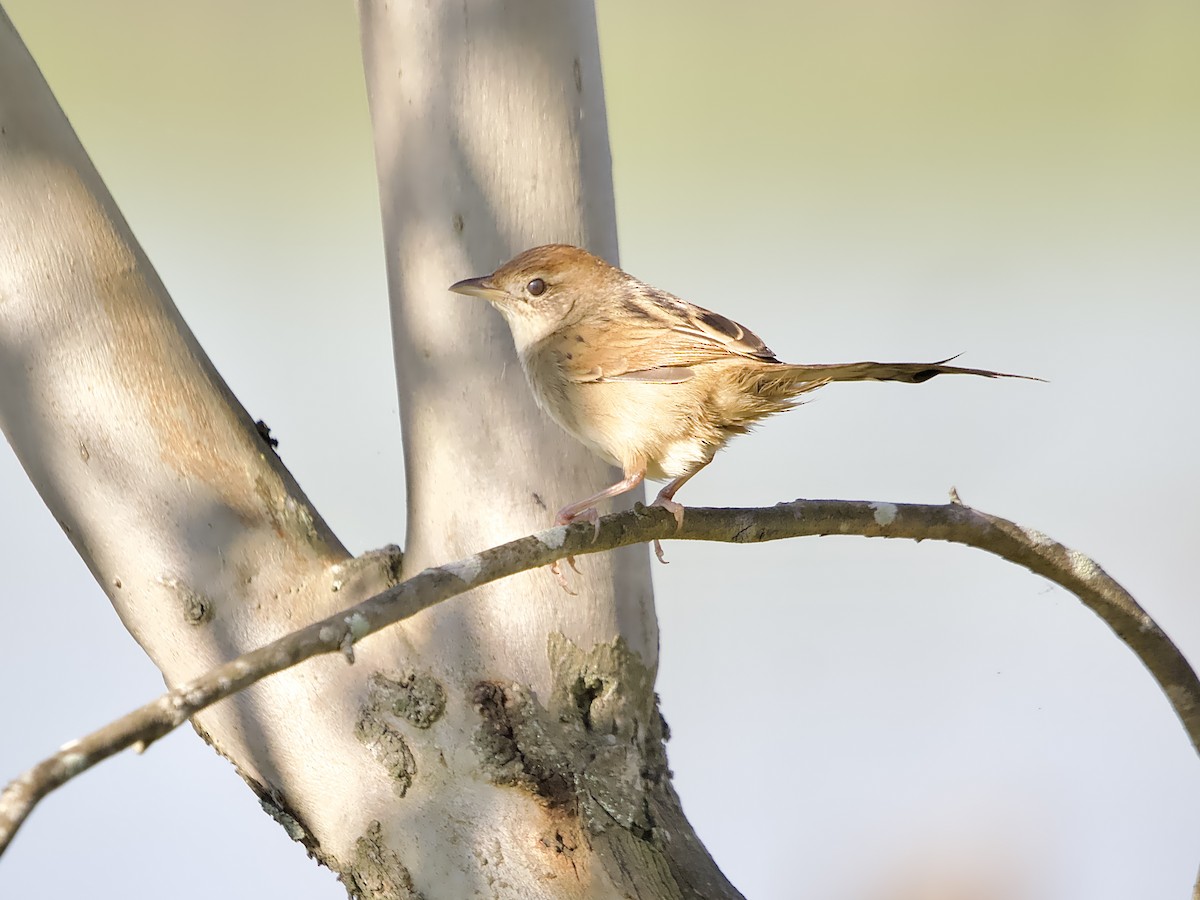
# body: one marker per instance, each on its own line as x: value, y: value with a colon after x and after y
x: 564, y: 518
x: 591, y: 515
x: 559, y: 574
x: 675, y: 509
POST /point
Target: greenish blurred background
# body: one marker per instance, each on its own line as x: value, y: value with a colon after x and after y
x: 855, y: 179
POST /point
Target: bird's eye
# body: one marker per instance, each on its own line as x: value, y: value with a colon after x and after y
x: 536, y: 288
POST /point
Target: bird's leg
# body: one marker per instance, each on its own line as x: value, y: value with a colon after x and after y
x: 666, y: 500
x: 585, y: 511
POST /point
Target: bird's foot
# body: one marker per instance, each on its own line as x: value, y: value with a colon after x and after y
x: 557, y: 571
x: 675, y: 509
x: 567, y: 516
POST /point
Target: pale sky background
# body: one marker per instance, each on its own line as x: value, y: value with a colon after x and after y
x: 853, y: 179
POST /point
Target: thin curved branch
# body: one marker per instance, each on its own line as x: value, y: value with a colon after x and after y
x: 951, y: 522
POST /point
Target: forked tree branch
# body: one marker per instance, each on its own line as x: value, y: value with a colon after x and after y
x: 952, y: 522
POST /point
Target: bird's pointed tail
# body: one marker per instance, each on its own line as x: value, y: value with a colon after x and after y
x: 910, y: 373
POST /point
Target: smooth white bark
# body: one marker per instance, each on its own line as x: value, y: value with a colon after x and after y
x: 201, y: 539
x: 490, y: 137
x: 193, y: 528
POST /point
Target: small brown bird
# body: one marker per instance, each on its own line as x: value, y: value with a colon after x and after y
x: 647, y: 381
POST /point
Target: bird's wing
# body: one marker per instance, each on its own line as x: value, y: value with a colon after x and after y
x: 655, y: 338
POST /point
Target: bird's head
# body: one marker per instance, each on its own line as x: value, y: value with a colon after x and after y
x: 543, y: 288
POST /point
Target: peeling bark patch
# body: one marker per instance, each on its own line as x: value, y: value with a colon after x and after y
x: 515, y: 747
x: 387, y: 746
x: 358, y: 625
x: 1037, y: 538
x: 275, y: 806
x: 465, y: 570
x: 585, y: 692
x: 885, y: 513
x: 1082, y: 566
x: 418, y: 698
x: 553, y: 537
x: 369, y: 573
x: 388, y: 559
x: 594, y: 752
x: 376, y: 871
x: 609, y: 685
x: 197, y: 608
x: 295, y: 830
x: 622, y: 763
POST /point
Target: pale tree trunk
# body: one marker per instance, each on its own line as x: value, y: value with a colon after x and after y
x: 505, y: 744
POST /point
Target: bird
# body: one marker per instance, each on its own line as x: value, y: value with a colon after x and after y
x: 647, y: 381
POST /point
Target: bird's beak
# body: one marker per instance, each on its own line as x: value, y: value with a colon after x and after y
x: 478, y: 287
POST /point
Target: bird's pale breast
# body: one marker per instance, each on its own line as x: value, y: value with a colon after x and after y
x: 628, y: 424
